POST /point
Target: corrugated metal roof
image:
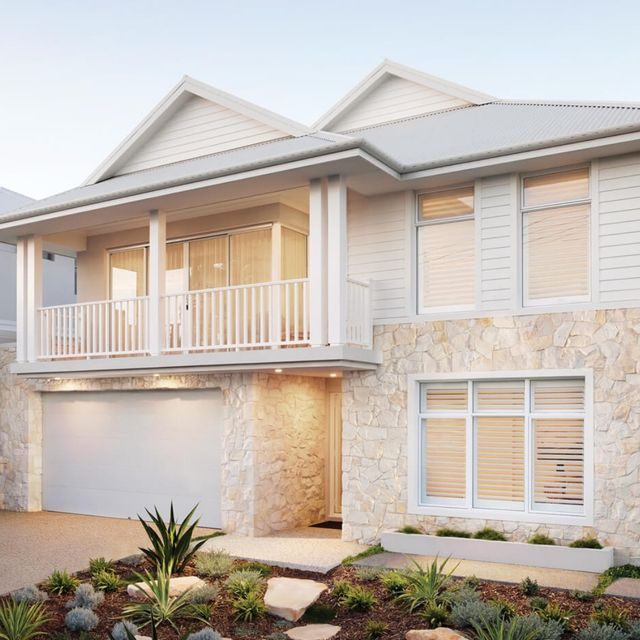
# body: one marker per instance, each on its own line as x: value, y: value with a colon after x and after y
x: 437, y: 139
x: 10, y: 200
x: 494, y: 129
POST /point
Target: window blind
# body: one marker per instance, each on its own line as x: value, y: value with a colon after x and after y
x: 443, y: 205
x: 445, y: 396
x: 445, y: 457
x: 553, y: 188
x: 500, y: 396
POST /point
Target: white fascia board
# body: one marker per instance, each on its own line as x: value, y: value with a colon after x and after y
x: 170, y: 103
x: 387, y: 69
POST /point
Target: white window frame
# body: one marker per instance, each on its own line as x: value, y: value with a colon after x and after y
x: 417, y: 504
x: 524, y: 210
x: 428, y: 223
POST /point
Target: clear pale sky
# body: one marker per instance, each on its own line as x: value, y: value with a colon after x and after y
x: 77, y: 76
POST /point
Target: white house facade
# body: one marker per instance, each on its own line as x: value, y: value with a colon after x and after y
x: 424, y: 309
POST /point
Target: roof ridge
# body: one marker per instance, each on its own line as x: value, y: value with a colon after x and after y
x: 602, y: 104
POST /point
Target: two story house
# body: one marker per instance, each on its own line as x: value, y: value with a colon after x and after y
x: 423, y: 309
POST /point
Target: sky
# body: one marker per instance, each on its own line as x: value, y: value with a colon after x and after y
x: 77, y: 76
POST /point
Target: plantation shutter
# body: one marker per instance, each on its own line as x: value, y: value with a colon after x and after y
x: 445, y: 453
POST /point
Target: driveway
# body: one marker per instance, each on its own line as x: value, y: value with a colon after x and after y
x: 32, y: 545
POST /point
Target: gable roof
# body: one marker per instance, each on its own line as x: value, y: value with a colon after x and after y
x: 389, y: 70
x: 10, y: 200
x: 171, y: 104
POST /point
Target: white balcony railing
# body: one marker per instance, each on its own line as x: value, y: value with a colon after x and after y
x: 105, y: 328
x: 359, y: 320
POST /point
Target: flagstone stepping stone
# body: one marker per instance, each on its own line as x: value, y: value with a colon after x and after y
x: 289, y: 598
x: 177, y: 586
x: 434, y: 634
x: 624, y: 587
x: 313, y: 632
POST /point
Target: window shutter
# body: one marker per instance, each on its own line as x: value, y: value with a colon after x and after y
x: 500, y: 460
x: 444, y: 396
x: 445, y: 458
x: 558, y: 395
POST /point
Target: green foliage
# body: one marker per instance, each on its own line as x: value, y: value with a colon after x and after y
x: 410, y: 529
x: 124, y: 630
x: 506, y: 610
x: 529, y: 587
x: 105, y: 580
x: 204, y: 594
x: 197, y: 611
x: 100, y: 564
x: 263, y: 569
x: 172, y: 544
x: 21, y: 620
x: 555, y: 612
x: 582, y: 596
x: 205, y: 634
x: 241, y: 583
x: 472, y: 582
x: 595, y: 631
x: 589, y: 542
x: 319, y: 613
x: 371, y: 551
x: 461, y: 593
x: 426, y: 586
x: 358, y: 599
x: 394, y: 582
x: 538, y: 603
x: 541, y: 538
x: 375, y: 630
x: 502, y: 630
x: 158, y: 606
x: 86, y: 597
x: 249, y: 606
x: 215, y: 564
x: 448, y: 532
x: 611, y: 616
x: 614, y: 573
x: 471, y: 612
x: 30, y: 595
x: 60, y: 582
x: 435, y: 615
x: 340, y: 588
x: 539, y: 628
x: 81, y: 619
x: 368, y: 574
x: 489, y: 534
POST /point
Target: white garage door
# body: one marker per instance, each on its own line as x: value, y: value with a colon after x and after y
x: 115, y: 453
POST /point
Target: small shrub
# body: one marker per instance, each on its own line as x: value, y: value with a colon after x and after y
x: 595, y: 631
x: 535, y: 628
x: 506, y: 610
x: 371, y: 551
x: 509, y: 630
x: 394, y: 582
x: 368, y: 574
x: 529, y: 587
x: 197, y: 611
x: 426, y: 586
x: 105, y: 580
x: 582, y: 596
x: 588, y: 542
x: 612, y: 617
x: 541, y: 538
x: 215, y: 564
x: 319, y: 613
x: 614, y: 573
x: 81, y: 619
x: 21, y: 620
x: 538, y: 603
x: 340, y: 588
x: 241, y: 583
x: 472, y: 582
x: 86, y: 597
x: 375, y: 630
x: 447, y: 532
x: 462, y: 594
x: 30, y: 595
x: 263, y: 569
x: 248, y: 607
x: 555, y: 612
x: 410, y: 529
x: 124, y: 630
x: 435, y: 615
x: 204, y: 594
x: 465, y: 614
x: 358, y: 599
x: 60, y: 582
x: 100, y: 564
x: 633, y: 630
x: 205, y: 634
x: 489, y: 534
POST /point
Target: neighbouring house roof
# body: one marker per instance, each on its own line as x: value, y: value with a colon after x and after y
x: 10, y: 200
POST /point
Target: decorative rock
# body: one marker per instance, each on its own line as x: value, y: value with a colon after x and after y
x: 177, y: 586
x: 434, y: 634
x: 289, y: 598
x: 313, y: 632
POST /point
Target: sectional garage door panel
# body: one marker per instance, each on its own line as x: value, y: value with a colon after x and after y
x: 115, y: 453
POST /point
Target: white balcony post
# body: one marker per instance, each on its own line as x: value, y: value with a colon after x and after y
x: 21, y: 300
x: 276, y: 276
x: 318, y: 262
x: 33, y: 295
x: 157, y: 267
x: 337, y: 260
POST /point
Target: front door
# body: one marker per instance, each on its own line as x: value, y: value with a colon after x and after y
x: 334, y: 415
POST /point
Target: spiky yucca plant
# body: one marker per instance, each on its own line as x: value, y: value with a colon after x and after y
x: 21, y: 620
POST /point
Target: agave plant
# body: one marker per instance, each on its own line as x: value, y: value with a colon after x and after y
x: 172, y: 544
x: 503, y: 630
x: 21, y: 620
x: 425, y: 587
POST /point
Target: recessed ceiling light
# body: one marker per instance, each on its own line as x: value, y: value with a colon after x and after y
x: 278, y: 370
x: 333, y: 375
x: 156, y: 375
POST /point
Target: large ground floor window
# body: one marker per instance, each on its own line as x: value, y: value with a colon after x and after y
x: 519, y: 446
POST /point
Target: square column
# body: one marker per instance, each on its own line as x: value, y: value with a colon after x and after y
x: 157, y: 268
x: 318, y: 262
x: 337, y: 260
x: 28, y: 297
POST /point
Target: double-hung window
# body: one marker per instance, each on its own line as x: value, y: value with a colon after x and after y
x: 514, y: 445
x: 446, y: 250
x: 555, y: 229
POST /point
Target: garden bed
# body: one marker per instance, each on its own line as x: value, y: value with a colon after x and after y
x: 522, y: 553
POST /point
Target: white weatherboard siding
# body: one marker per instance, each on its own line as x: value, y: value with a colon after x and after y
x: 115, y: 453
x: 377, y: 237
x: 496, y: 216
x: 200, y: 127
x: 619, y: 224
x: 395, y: 99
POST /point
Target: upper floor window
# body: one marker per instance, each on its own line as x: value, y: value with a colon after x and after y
x: 446, y: 250
x: 555, y: 227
